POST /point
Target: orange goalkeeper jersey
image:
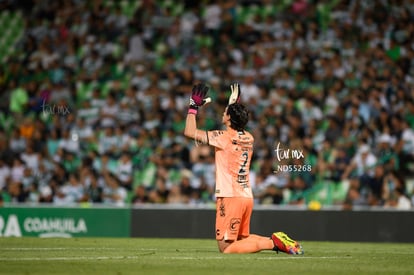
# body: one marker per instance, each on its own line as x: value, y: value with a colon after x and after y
x: 233, y: 153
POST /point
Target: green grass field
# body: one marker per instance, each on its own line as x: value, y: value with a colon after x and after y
x: 191, y: 256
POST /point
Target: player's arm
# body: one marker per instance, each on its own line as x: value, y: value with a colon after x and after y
x: 191, y: 130
x: 198, y: 99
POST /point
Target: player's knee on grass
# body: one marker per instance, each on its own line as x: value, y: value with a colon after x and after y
x: 222, y: 245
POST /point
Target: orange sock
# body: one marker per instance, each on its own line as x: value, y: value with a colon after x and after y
x: 251, y: 244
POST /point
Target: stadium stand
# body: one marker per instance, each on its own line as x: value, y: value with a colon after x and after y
x: 94, y: 97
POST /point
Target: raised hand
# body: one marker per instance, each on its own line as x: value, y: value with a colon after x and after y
x: 199, y: 96
x: 235, y: 93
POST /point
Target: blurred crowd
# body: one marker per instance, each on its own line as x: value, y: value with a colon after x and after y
x: 95, y: 95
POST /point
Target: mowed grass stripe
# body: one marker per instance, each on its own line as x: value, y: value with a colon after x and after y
x: 195, y: 256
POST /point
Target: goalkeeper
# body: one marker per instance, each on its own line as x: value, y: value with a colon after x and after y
x: 234, y: 197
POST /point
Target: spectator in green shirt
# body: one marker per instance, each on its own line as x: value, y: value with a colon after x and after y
x: 18, y: 98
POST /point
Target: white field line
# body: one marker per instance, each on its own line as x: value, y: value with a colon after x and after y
x: 22, y: 259
x: 52, y: 248
x: 68, y: 258
x: 258, y: 258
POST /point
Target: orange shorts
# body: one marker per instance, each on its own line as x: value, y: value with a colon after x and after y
x: 233, y: 218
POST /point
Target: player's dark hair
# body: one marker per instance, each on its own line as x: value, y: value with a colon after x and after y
x: 239, y: 116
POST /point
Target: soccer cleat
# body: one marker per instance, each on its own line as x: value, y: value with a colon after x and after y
x: 285, y: 244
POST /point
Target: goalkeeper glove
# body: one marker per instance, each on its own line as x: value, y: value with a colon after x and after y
x: 235, y: 93
x: 198, y: 97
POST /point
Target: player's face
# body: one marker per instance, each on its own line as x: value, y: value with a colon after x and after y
x: 225, y: 117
